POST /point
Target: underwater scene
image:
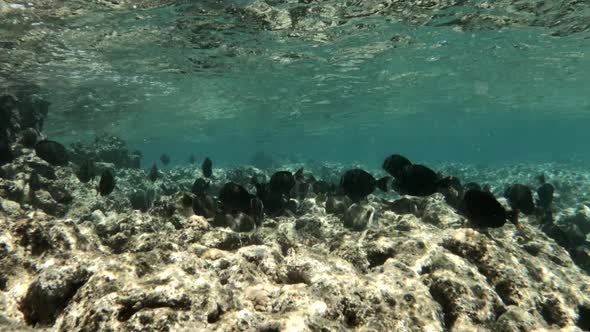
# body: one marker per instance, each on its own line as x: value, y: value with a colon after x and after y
x: 295, y: 165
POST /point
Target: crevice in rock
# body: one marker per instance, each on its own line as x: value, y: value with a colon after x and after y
x: 378, y: 258
x: 443, y: 293
x: 133, y: 305
x: 45, y: 300
x: 507, y: 290
x: 3, y: 283
x: 297, y: 277
x: 553, y: 313
x: 214, y: 315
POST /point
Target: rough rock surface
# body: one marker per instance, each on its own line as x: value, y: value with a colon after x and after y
x: 425, y: 270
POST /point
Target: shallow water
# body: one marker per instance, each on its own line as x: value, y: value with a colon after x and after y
x: 322, y: 80
x: 488, y: 93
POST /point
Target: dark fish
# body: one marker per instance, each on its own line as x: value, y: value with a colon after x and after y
x: 453, y: 182
x: 200, y: 187
x: 303, y: 189
x: 472, y: 185
x: 302, y: 185
x: 165, y: 159
x: 34, y: 181
x: 186, y: 200
x: 262, y: 189
x: 358, y: 184
x: 298, y: 175
x: 192, y: 159
x: 396, y: 164
x: 275, y: 203
x: 483, y: 210
x: 204, y: 206
x: 282, y: 182
x: 520, y: 198
x: 545, y: 193
x: 418, y: 180
x: 236, y: 198
x: 86, y: 171
x: 256, y: 207
x: 322, y: 187
x: 139, y: 200
x: 207, y: 168
x: 6, y: 154
x: 107, y: 183
x: 154, y: 173
x: 275, y: 200
x: 29, y: 137
x: 541, y: 178
x: 52, y: 152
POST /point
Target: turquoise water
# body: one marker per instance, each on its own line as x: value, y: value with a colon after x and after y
x: 319, y: 80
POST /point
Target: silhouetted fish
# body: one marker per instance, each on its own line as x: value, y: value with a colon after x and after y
x: 483, y: 210
x: 192, y: 159
x: 472, y: 185
x: 165, y: 159
x: 322, y: 187
x: 453, y: 182
x: 236, y: 198
x: 86, y: 171
x: 358, y: 184
x: 283, y: 181
x: 200, y: 187
x: 139, y: 200
x: 204, y: 206
x: 274, y: 203
x: 52, y: 152
x: 6, y: 154
x: 298, y: 175
x: 154, y: 173
x: 207, y: 168
x: 262, y: 189
x: 520, y: 197
x: 107, y: 183
x: 29, y: 137
x: 396, y: 164
x: 419, y: 180
x: 545, y: 193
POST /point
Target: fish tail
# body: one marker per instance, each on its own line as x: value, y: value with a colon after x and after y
x: 513, y: 216
x: 382, y: 183
x: 299, y: 174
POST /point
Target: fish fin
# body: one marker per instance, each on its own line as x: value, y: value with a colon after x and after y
x: 254, y: 180
x: 513, y: 216
x: 445, y: 182
x: 299, y: 174
x: 382, y: 183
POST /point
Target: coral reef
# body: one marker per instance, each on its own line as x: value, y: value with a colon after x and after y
x: 72, y: 260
